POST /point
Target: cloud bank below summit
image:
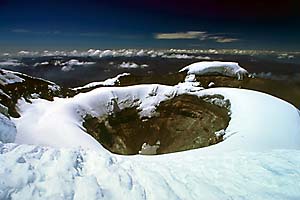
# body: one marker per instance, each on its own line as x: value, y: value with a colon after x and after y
x: 201, y: 35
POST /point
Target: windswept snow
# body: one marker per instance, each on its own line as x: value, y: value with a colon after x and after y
x: 216, y: 67
x: 8, y: 77
x: 32, y: 172
x: 107, y: 82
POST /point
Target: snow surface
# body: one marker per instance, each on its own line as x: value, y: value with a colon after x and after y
x: 258, y: 121
x: 11, y: 77
x: 8, y: 77
x: 8, y: 129
x: 107, y: 82
x: 216, y: 67
x: 33, y: 172
x: 211, y: 84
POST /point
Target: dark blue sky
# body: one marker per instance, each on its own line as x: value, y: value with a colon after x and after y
x: 149, y: 24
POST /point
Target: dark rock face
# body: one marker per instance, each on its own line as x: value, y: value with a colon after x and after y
x: 183, y: 123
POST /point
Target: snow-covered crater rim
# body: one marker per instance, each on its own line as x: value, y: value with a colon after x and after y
x: 67, y: 113
x: 125, y: 129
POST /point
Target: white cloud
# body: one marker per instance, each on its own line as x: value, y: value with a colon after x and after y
x: 11, y: 62
x: 224, y: 39
x: 181, y: 35
x: 132, y: 65
x: 67, y: 68
x: 20, y: 31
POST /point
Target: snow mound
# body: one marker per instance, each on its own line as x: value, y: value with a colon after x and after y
x: 216, y: 67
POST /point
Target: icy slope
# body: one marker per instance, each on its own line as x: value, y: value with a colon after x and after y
x: 8, y: 130
x: 30, y: 172
x: 216, y: 67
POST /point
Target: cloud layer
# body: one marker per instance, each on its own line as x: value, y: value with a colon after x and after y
x: 201, y: 35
